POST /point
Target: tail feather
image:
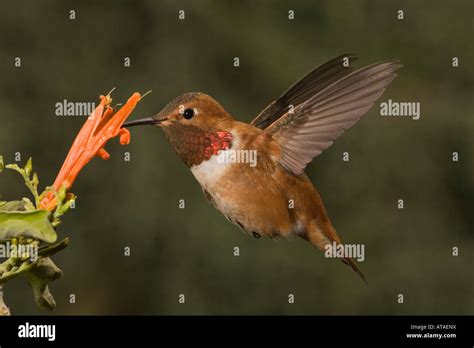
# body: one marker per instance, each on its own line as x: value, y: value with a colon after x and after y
x: 322, y: 237
x: 349, y: 262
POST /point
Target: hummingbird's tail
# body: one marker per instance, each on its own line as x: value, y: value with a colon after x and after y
x: 349, y: 262
x: 324, y: 238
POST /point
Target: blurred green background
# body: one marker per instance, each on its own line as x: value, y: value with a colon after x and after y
x: 190, y: 250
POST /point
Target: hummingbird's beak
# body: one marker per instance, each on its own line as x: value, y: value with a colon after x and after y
x: 144, y: 121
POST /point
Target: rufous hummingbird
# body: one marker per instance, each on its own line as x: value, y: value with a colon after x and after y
x: 273, y: 197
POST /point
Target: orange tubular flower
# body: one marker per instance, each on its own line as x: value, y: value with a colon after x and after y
x: 102, y: 125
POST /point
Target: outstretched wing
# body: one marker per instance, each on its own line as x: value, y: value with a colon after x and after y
x: 313, y: 125
x: 305, y: 88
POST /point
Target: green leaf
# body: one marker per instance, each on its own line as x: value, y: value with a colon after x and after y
x: 28, y: 204
x: 15, y: 270
x: 38, y: 277
x: 15, y: 168
x: 33, y: 224
x: 46, y: 250
x: 28, y: 167
x: 31, y: 183
x: 62, y: 193
x: 13, y: 206
x: 66, y: 206
x: 35, y: 181
x: 1, y: 164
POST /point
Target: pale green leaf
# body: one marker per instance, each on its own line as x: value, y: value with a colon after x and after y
x: 28, y: 167
x: 33, y: 224
x: 13, y: 206
x: 38, y: 277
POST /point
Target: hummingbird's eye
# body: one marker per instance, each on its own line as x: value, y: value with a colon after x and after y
x: 188, y: 114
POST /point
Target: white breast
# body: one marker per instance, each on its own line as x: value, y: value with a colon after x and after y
x: 209, y: 172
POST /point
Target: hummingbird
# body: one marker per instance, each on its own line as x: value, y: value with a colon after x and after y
x: 273, y: 197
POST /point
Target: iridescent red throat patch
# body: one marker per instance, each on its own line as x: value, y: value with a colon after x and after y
x: 195, y: 145
x: 219, y: 141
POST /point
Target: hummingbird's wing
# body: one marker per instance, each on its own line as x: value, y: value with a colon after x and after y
x: 305, y: 88
x: 313, y: 125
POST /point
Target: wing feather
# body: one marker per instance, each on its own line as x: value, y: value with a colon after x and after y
x: 323, y: 116
x: 305, y: 88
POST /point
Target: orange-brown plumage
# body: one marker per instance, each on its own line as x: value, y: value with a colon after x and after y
x: 271, y: 196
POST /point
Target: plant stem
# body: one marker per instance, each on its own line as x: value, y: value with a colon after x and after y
x: 4, y: 310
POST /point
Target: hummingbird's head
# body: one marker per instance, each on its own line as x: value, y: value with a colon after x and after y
x: 195, y: 124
